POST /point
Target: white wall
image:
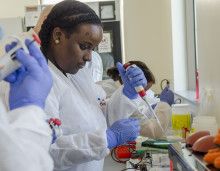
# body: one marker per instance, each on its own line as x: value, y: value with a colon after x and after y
x: 10, y: 10
x: 148, y: 37
x: 14, y: 8
x: 208, y: 38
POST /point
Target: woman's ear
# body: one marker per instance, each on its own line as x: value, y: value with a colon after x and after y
x: 57, y: 35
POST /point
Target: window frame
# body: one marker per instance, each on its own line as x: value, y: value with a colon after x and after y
x: 184, y: 45
x: 191, y: 47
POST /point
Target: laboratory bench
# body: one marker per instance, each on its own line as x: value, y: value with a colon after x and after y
x: 111, y: 165
x: 179, y: 158
x: 184, y: 159
x: 144, y: 156
x: 154, y: 161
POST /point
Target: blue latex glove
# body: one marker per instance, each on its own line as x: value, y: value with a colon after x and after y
x: 31, y: 83
x: 122, y: 131
x: 167, y: 96
x: 131, y: 78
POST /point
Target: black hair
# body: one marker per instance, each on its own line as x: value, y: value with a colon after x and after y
x: 67, y: 15
x: 114, y: 73
x: 147, y: 72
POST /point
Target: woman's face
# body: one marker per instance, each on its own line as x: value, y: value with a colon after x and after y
x: 72, y: 53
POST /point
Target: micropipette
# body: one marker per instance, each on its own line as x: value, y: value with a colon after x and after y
x: 8, y: 62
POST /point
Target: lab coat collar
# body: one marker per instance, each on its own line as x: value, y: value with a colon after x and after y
x: 53, y: 68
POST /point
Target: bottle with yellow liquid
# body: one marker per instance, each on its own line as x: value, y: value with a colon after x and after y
x: 181, y: 118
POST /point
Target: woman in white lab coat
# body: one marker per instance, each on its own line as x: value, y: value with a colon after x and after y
x: 68, y: 35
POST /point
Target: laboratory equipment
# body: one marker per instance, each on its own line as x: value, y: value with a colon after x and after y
x: 164, y: 83
x: 167, y: 96
x: 142, y: 93
x: 181, y: 119
x: 197, y: 84
x: 208, y: 123
x: 143, y: 154
x: 8, y: 62
x: 161, y: 144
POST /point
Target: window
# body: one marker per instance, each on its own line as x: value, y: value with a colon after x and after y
x: 192, y: 62
x: 184, y: 45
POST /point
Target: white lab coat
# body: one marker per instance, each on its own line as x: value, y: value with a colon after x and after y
x: 149, y: 127
x: 110, y: 86
x: 96, y: 66
x: 25, y: 140
x: 80, y: 105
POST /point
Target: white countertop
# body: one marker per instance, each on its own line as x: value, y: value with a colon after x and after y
x: 111, y: 165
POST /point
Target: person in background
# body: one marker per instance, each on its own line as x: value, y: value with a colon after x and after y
x: 69, y: 34
x: 25, y: 135
x: 149, y: 127
x: 115, y: 81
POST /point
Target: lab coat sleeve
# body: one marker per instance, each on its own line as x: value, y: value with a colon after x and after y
x: 79, y: 148
x: 25, y: 141
x: 120, y: 107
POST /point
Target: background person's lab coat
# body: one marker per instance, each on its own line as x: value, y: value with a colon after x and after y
x: 96, y: 67
x: 149, y: 127
x: 25, y: 140
x: 77, y: 101
x: 110, y: 86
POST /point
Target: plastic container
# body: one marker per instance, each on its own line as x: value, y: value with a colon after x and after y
x: 208, y: 123
x: 181, y: 119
